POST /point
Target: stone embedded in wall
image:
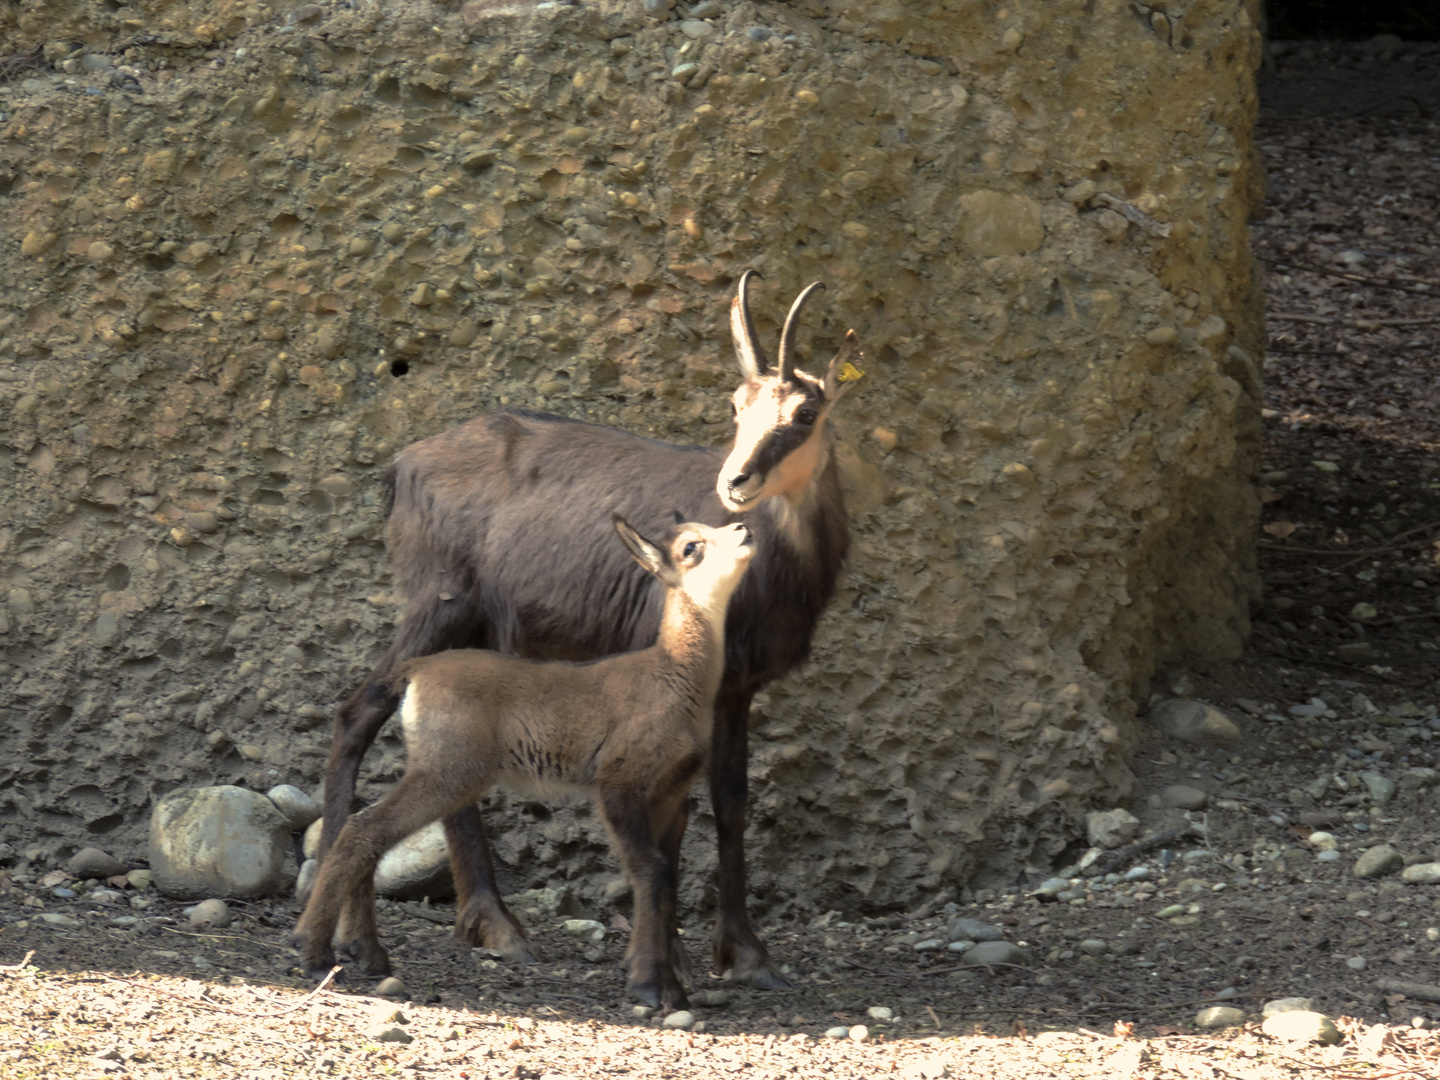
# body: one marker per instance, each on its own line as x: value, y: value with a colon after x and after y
x: 997, y: 223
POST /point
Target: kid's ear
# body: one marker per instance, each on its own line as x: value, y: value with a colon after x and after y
x: 651, y: 556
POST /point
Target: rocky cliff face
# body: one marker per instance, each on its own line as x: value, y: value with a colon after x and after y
x: 247, y: 252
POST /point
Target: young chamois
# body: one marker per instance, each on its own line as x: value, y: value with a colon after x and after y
x: 498, y: 541
x: 632, y: 730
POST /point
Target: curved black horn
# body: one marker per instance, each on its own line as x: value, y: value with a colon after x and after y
x: 787, y: 336
x: 742, y: 329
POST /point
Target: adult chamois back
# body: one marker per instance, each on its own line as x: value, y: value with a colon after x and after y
x: 630, y: 730
x: 499, y: 540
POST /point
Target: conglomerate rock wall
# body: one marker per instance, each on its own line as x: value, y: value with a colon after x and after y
x: 247, y: 252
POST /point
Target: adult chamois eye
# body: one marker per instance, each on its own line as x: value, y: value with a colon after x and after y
x: 691, y: 548
x: 806, y: 417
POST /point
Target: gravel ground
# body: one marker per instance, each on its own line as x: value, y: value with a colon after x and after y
x: 1254, y: 894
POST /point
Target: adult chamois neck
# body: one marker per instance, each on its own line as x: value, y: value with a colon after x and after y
x: 796, y: 512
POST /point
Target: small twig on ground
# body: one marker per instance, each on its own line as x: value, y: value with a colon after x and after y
x: 971, y: 967
x: 1353, y: 324
x: 420, y: 911
x: 934, y: 1017
x: 330, y: 975
x: 1108, y: 863
x: 1366, y: 279
x: 1418, y: 991
x: 924, y: 910
x: 16, y: 968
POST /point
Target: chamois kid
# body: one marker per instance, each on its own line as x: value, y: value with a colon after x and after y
x: 631, y: 730
x: 499, y: 538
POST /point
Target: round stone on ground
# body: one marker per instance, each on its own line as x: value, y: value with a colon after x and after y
x: 210, y: 914
x: 91, y: 862
x: 1378, y: 861
x: 1220, y: 1016
x: 1302, y: 1026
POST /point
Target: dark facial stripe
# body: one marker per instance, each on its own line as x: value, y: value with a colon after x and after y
x: 775, y: 447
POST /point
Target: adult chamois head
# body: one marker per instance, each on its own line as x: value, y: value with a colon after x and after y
x: 780, y: 440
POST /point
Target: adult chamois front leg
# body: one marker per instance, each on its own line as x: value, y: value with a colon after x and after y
x: 739, y: 954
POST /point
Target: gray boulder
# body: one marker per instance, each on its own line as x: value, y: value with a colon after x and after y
x: 299, y: 808
x: 218, y: 841
x: 417, y: 867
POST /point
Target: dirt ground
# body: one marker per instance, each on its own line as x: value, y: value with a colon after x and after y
x: 1239, y: 910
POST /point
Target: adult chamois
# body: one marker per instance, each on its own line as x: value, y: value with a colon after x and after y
x: 498, y: 539
x: 631, y: 730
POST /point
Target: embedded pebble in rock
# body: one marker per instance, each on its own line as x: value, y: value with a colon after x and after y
x: 973, y: 930
x: 1111, y: 828
x: 1194, y: 722
x: 680, y: 1018
x: 91, y: 862
x: 391, y: 987
x: 996, y: 952
x: 1184, y: 797
x: 1219, y: 1016
x: 1425, y: 873
x: 211, y: 914
x: 298, y: 808
x: 1290, y: 1004
x: 1302, y: 1026
x: 1378, y: 861
x: 694, y: 28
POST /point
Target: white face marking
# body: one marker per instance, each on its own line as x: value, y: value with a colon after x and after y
x: 715, y: 566
x: 762, y: 406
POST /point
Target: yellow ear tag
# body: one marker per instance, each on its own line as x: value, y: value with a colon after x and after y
x: 849, y: 372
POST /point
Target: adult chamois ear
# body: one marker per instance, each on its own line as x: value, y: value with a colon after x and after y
x: 843, y: 371
x: 651, y: 556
